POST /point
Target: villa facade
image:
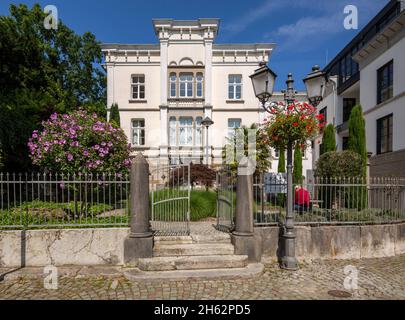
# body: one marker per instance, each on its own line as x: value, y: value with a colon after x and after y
x: 165, y: 90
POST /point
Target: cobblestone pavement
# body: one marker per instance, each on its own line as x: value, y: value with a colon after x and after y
x: 377, y: 279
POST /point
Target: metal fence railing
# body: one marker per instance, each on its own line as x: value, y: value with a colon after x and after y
x: 226, y: 198
x: 42, y: 200
x: 170, y: 190
x: 330, y: 200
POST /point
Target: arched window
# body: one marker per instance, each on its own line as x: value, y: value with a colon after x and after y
x: 185, y: 131
x: 186, y: 85
x: 198, y: 131
x: 173, y: 85
x: 199, y: 85
x: 173, y: 131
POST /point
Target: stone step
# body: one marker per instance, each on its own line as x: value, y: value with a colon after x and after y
x: 251, y: 270
x: 195, y: 249
x: 193, y: 262
x: 208, y: 238
x: 173, y: 240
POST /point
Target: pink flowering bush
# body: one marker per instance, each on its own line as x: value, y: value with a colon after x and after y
x: 79, y: 142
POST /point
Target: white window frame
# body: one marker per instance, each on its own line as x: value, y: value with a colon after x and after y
x: 139, y: 129
x: 138, y: 85
x: 188, y: 84
x: 199, y: 83
x: 173, y: 83
x: 232, y: 130
x: 188, y: 132
x: 173, y: 131
x: 198, y: 139
x: 234, y: 85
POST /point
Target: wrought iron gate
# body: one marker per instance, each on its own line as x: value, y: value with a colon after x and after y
x: 226, y: 199
x: 170, y: 200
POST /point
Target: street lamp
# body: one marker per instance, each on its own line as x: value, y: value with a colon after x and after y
x: 315, y: 83
x: 207, y: 122
x: 263, y: 83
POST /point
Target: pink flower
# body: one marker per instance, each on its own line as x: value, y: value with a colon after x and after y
x: 70, y: 157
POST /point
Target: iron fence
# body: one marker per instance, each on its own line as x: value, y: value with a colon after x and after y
x: 170, y: 189
x: 226, y: 199
x: 330, y: 200
x: 42, y: 200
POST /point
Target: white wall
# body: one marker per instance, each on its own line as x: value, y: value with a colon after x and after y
x: 396, y: 106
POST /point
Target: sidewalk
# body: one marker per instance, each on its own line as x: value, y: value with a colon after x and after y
x: 377, y: 279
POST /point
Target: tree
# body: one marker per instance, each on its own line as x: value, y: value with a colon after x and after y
x: 329, y: 140
x: 79, y: 142
x: 263, y: 162
x: 281, y: 161
x: 43, y: 71
x: 347, y: 164
x: 334, y: 168
x: 357, y: 135
x: 115, y: 115
x: 297, y: 173
x: 199, y: 174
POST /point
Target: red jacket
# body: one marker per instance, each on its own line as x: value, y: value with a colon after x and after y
x: 302, y: 197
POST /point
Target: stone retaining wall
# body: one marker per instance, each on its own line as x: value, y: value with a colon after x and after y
x: 337, y: 242
x: 105, y: 246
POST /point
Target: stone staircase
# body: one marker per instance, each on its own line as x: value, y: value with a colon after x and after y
x: 194, y: 252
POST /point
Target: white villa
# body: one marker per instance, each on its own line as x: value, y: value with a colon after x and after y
x: 165, y: 90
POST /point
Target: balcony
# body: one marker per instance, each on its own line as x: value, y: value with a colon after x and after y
x: 186, y: 102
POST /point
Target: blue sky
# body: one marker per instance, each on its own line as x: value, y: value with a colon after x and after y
x: 306, y: 32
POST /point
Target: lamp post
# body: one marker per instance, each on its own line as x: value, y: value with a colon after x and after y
x: 263, y: 83
x: 207, y: 122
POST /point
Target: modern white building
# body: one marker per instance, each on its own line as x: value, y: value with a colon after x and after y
x: 370, y: 71
x: 165, y: 90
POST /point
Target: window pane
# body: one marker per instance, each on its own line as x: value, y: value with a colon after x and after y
x: 135, y: 92
x: 231, y: 92
x: 182, y: 89
x: 238, y: 92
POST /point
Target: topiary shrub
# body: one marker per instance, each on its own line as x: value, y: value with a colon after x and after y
x: 332, y: 169
x: 339, y: 164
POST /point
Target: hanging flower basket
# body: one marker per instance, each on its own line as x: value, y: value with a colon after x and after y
x: 296, y: 123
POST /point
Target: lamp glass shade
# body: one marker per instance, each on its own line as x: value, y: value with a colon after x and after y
x: 315, y: 84
x: 263, y: 82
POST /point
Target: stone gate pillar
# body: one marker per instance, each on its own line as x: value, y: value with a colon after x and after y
x: 243, y: 238
x: 139, y: 243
